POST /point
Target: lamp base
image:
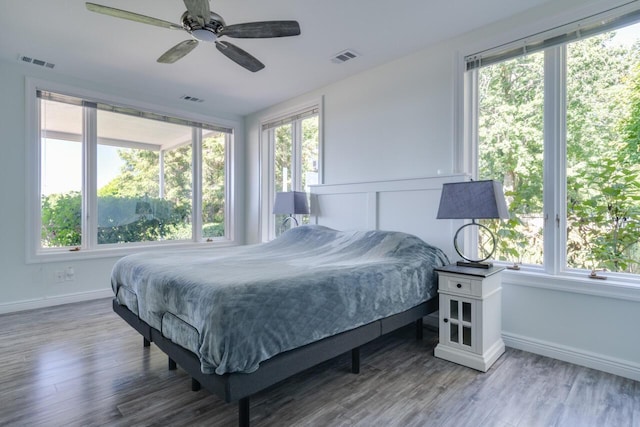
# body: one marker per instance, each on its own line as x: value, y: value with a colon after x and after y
x: 478, y: 262
x: 474, y: 264
x: 290, y: 218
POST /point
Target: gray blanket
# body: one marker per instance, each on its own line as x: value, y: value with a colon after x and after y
x: 236, y: 307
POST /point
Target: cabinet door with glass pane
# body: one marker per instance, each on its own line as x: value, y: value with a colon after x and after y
x: 457, y: 322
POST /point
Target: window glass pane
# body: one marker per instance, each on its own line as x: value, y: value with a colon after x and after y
x: 310, y: 149
x: 603, y: 173
x: 283, y: 158
x: 177, y: 191
x: 309, y: 153
x: 134, y: 203
x: 510, y: 144
x: 213, y: 179
x: 283, y: 164
x: 60, y: 174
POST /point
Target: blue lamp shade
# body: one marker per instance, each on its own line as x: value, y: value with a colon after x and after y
x: 291, y: 203
x: 472, y: 200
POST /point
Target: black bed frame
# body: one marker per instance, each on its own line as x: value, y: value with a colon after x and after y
x: 239, y: 387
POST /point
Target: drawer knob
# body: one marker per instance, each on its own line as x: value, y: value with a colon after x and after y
x: 459, y: 285
x: 445, y: 320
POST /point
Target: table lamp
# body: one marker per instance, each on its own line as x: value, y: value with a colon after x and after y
x: 473, y: 200
x: 291, y: 203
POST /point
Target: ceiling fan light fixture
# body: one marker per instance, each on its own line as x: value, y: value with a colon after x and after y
x: 204, y: 25
x: 204, y: 35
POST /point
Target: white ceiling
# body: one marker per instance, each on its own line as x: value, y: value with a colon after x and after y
x: 123, y: 53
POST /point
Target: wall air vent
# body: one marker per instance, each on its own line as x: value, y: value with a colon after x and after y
x: 344, y: 56
x: 35, y: 61
x: 191, y: 98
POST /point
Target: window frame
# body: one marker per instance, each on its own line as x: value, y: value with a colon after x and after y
x: 553, y: 273
x: 267, y: 225
x: 90, y: 249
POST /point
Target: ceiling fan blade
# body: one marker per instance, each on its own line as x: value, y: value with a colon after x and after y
x: 239, y: 56
x: 178, y: 51
x: 199, y: 10
x: 119, y: 13
x: 264, y: 29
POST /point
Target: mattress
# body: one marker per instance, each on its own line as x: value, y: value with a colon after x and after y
x: 236, y: 307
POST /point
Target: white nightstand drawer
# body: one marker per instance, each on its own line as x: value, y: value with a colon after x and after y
x: 455, y: 284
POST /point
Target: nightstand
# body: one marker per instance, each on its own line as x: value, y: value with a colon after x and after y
x: 470, y: 316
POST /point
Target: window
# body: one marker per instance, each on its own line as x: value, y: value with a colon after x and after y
x: 294, y: 151
x: 112, y: 176
x: 556, y: 119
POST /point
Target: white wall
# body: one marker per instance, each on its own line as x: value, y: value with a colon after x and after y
x: 24, y: 285
x: 392, y: 122
x: 402, y: 120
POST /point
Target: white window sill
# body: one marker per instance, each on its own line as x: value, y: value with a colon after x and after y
x: 116, y: 251
x: 575, y: 282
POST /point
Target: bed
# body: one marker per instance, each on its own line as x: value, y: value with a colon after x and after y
x: 241, y: 319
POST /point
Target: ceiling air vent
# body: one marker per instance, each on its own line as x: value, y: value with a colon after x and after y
x: 35, y: 61
x: 344, y: 56
x: 191, y: 98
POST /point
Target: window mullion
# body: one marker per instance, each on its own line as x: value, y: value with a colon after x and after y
x: 229, y: 219
x: 270, y: 189
x: 89, y: 225
x: 196, y: 183
x: 467, y: 160
x: 296, y: 183
x: 161, y: 184
x: 554, y: 159
x: 296, y: 156
x: 561, y: 152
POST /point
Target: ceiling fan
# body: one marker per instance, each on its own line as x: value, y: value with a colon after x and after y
x: 204, y: 25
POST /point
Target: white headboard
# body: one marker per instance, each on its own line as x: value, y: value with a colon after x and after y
x: 408, y: 205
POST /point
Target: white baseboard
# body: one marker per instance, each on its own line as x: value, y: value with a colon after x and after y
x: 623, y: 368
x: 12, y: 307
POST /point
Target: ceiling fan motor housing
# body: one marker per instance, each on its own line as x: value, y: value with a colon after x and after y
x: 207, y: 32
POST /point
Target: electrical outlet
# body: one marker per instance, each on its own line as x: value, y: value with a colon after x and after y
x: 69, y: 274
x: 60, y: 276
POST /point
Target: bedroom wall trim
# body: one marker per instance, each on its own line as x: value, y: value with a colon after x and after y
x: 408, y: 205
x: 574, y: 355
x: 54, y: 300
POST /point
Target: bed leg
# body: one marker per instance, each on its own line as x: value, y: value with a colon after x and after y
x: 243, y: 412
x: 355, y: 360
x: 172, y: 364
x: 146, y: 342
x: 419, y: 329
x: 195, y: 384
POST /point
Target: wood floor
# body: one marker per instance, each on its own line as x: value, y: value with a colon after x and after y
x: 81, y: 365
